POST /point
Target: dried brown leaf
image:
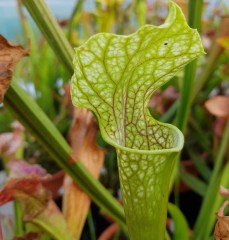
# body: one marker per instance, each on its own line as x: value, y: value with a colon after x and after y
x: 10, y: 54
x: 29, y: 236
x: 29, y: 192
x: 21, y: 168
x: 224, y: 191
x: 37, y: 204
x: 9, y: 143
x: 224, y: 30
x: 109, y: 232
x: 218, y: 106
x: 222, y: 226
x: 82, y: 138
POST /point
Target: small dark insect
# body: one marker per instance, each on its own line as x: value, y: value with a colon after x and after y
x: 165, y: 43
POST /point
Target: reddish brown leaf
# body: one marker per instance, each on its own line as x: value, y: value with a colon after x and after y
x: 52, y: 221
x: 29, y: 192
x: 68, y: 100
x: 29, y: 236
x: 224, y: 191
x: 82, y: 138
x: 10, y: 54
x: 218, y: 106
x: 222, y: 226
x: 224, y: 42
x: 54, y: 183
x: 20, y: 168
x: 109, y: 232
x: 224, y: 30
x: 38, y: 207
x: 9, y: 143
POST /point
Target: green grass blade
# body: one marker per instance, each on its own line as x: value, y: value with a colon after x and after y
x: 19, y: 228
x: 74, y: 20
x: 46, y: 133
x: 32, y: 116
x: 181, y: 229
x: 200, y: 165
x: 170, y: 114
x: 194, y: 183
x: 43, y: 129
x: 141, y: 12
x: 91, y: 226
x: 51, y: 31
x: 201, y: 228
x: 200, y: 135
x: 195, y: 10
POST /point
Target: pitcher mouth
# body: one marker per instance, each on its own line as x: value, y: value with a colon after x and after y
x: 178, y: 145
x: 115, y: 77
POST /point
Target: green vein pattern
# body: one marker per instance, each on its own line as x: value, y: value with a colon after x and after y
x: 115, y: 77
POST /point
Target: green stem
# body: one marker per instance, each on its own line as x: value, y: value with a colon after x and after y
x: 193, y: 182
x: 201, y: 137
x: 181, y: 228
x: 76, y: 14
x: 167, y: 237
x: 141, y: 12
x: 215, y: 53
x: 35, y: 120
x: 200, y: 165
x: 51, y: 31
x: 169, y: 115
x: 19, y: 229
x: 195, y: 11
x: 91, y: 226
x: 202, y: 228
x: 117, y: 235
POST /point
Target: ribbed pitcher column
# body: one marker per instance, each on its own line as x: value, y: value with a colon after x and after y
x: 145, y: 178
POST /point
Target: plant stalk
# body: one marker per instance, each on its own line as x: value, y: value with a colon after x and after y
x: 202, y: 227
x: 32, y: 117
x: 195, y: 11
x: 51, y: 31
x: 19, y: 228
x: 91, y: 225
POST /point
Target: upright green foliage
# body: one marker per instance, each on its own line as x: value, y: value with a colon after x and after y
x: 115, y: 77
x: 32, y: 117
x: 51, y: 30
x: 212, y: 200
x: 195, y: 11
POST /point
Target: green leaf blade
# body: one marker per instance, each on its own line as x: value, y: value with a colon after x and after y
x: 115, y: 77
x: 181, y: 228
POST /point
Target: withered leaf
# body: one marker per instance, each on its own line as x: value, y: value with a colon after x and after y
x: 109, y: 232
x: 224, y: 191
x: 30, y: 192
x: 10, y: 54
x: 218, y: 106
x: 37, y: 204
x: 82, y: 138
x: 21, y: 168
x: 29, y: 236
x: 222, y: 226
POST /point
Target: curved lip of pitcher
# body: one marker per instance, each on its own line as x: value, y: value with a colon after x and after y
x: 177, y: 148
